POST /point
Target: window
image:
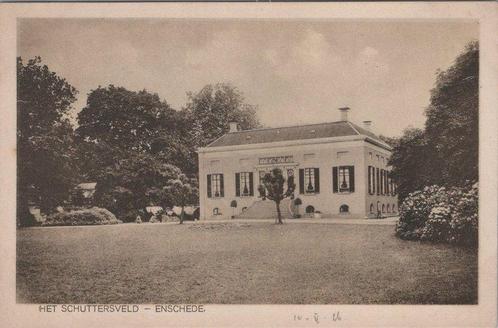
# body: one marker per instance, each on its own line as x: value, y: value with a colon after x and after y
x: 343, y: 179
x: 382, y: 184
x: 344, y: 209
x: 378, y: 158
x: 310, y: 209
x: 371, y: 180
x: 216, y: 211
x: 383, y: 208
x: 215, y: 185
x: 244, y: 184
x: 377, y: 180
x: 244, y: 209
x: 309, y: 181
x: 372, y: 208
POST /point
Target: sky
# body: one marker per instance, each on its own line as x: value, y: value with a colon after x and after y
x: 295, y: 71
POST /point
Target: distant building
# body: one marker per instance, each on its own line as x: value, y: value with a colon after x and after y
x: 340, y: 169
x: 83, y: 194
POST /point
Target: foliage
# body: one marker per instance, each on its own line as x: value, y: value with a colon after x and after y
x: 91, y: 216
x: 47, y: 169
x: 210, y: 111
x: 135, y: 182
x: 273, y: 189
x: 440, y: 214
x: 124, y: 119
x: 452, y: 126
x: 182, y: 192
x: 26, y: 219
x: 446, y: 151
x: 411, y: 162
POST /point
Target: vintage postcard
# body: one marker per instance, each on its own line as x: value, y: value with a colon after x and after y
x: 283, y: 165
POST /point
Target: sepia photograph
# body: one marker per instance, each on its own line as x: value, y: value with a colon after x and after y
x: 170, y: 164
x: 241, y: 162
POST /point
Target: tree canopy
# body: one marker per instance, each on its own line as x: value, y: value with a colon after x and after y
x: 452, y: 125
x: 446, y: 151
x: 46, y: 171
x: 212, y: 109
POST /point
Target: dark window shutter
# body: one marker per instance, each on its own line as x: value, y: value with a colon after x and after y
x: 385, y: 180
x: 369, y: 179
x: 335, y: 186
x: 251, y: 184
x: 382, y: 182
x: 351, y: 178
x: 237, y: 184
x: 301, y: 181
x: 317, y: 180
x: 209, y: 186
x: 387, y: 183
x: 222, y: 189
x: 373, y: 180
x: 377, y: 180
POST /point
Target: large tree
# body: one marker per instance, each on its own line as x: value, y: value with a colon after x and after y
x: 452, y: 125
x: 46, y: 166
x: 411, y: 162
x: 446, y: 151
x: 140, y: 175
x: 210, y: 111
x: 125, y: 119
x: 117, y: 122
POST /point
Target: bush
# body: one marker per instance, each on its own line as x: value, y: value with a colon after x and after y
x: 439, y: 214
x: 91, y: 216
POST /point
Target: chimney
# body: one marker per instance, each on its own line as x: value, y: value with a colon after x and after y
x: 367, y: 125
x: 344, y: 113
x: 233, y: 127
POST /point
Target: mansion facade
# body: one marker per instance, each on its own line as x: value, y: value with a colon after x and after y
x: 340, y: 169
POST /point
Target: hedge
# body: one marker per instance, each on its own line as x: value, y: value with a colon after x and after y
x: 91, y: 216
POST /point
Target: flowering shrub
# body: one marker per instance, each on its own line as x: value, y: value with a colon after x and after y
x: 440, y: 214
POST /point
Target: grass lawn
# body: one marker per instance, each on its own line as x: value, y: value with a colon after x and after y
x: 239, y: 263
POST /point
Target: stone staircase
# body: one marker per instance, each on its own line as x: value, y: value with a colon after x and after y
x: 266, y: 209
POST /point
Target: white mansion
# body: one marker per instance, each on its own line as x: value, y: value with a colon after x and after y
x: 341, y: 167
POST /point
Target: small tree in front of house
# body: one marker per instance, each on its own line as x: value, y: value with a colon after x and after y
x: 272, y: 187
x: 181, y: 193
x: 233, y: 205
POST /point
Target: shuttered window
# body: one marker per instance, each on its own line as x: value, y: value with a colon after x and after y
x: 309, y: 181
x: 343, y: 179
x: 371, y: 180
x: 215, y: 185
x: 244, y: 184
x: 377, y: 180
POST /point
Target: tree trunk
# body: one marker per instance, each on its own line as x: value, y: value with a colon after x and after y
x: 182, y: 215
x: 279, y: 215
